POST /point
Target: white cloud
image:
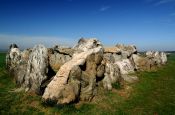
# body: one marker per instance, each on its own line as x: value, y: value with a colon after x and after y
x: 160, y: 2
x: 29, y: 41
x: 104, y: 8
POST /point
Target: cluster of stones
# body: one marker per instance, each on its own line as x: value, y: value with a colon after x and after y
x: 65, y: 75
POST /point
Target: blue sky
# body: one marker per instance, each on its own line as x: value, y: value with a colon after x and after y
x: 149, y: 24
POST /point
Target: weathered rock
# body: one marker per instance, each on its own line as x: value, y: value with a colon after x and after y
x: 163, y: 57
x: 58, y: 56
x: 108, y: 57
x: 146, y: 64
x: 86, y: 44
x: 37, y: 69
x: 117, y: 57
x: 112, y: 50
x: 60, y: 89
x: 21, y: 68
x: 130, y: 78
x: 150, y: 54
x: 88, y: 89
x: 25, y: 54
x: 126, y: 54
x: 130, y: 48
x: 71, y: 90
x: 66, y: 51
x: 150, y: 62
x: 13, y: 57
x: 158, y: 57
x: 139, y: 61
x: 126, y: 69
x: 118, y: 60
x: 119, y: 52
x: 89, y: 73
x: 19, y: 73
x: 126, y: 51
x: 100, y: 70
x: 125, y: 66
x: 29, y: 67
x: 13, y: 62
x: 112, y: 75
x: 16, y: 64
x: 56, y: 60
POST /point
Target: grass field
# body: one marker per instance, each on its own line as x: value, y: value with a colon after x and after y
x: 154, y: 94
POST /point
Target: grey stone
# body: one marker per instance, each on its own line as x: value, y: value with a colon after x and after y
x: 64, y: 88
x: 37, y: 69
x: 112, y: 74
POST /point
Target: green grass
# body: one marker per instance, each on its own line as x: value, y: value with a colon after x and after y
x: 2, y: 60
x: 153, y: 94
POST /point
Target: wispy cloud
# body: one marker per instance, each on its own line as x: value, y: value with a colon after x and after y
x: 30, y: 41
x: 160, y: 2
x: 104, y: 8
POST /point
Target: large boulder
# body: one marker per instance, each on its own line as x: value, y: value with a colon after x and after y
x: 127, y: 50
x: 15, y: 63
x: 112, y: 57
x: 65, y: 87
x: 130, y: 48
x: 64, y: 50
x: 37, y: 69
x: 142, y: 63
x: 13, y: 57
x: 112, y: 50
x: 136, y: 58
x: 58, y: 56
x: 127, y: 69
x: 86, y: 44
x: 56, y: 60
x: 21, y: 68
x: 119, y: 64
x: 119, y: 52
x: 125, y: 66
x: 29, y: 67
